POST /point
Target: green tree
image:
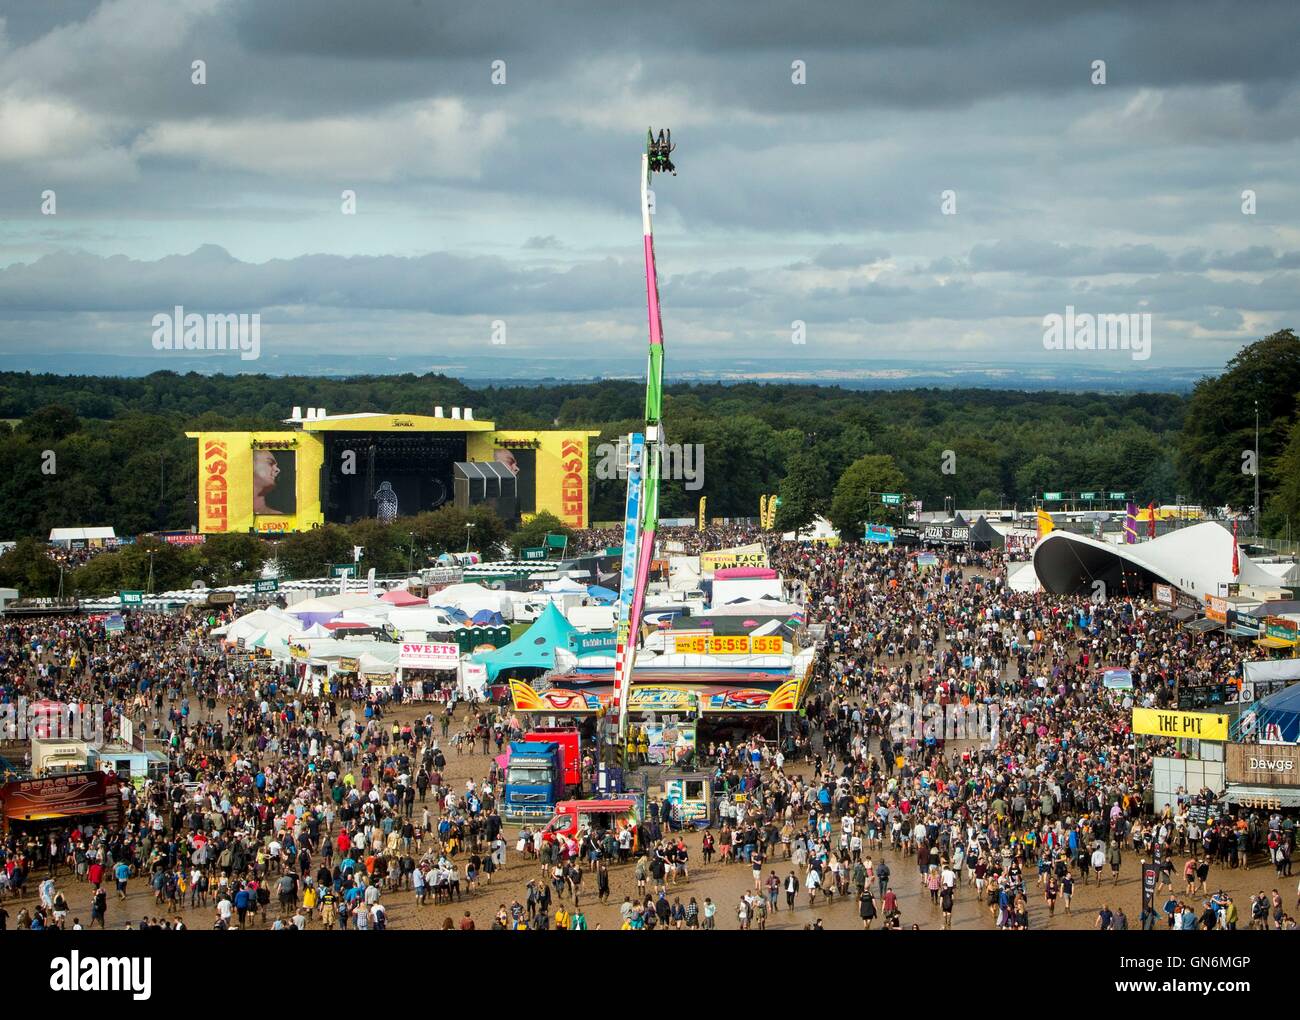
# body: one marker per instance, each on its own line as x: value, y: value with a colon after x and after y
x: 311, y: 553
x: 853, y: 503
x: 232, y: 559
x: 1281, y: 513
x: 533, y: 534
x: 1041, y: 474
x: 444, y: 531
x: 805, y: 491
x: 171, y: 567
x: 385, y: 545
x: 28, y: 567
x: 52, y: 422
x: 101, y: 575
x: 1220, y: 423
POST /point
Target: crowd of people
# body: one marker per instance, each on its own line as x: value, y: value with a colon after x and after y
x: 282, y: 810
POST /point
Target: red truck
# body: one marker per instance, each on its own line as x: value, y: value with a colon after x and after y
x: 570, y: 741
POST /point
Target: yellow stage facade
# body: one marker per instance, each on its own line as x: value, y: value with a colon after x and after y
x: 271, y: 482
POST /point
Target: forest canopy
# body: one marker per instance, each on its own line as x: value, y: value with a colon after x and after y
x: 120, y: 456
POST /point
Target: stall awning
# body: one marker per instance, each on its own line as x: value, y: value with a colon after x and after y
x: 1285, y: 796
x: 1182, y: 613
x: 1203, y: 625
x: 1272, y: 642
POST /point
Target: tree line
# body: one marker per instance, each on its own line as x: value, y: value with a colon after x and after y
x: 88, y: 450
x: 155, y: 565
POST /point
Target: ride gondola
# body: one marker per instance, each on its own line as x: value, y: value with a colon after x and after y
x: 660, y: 149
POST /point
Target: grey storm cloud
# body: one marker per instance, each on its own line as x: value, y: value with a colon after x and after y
x: 309, y: 56
x: 210, y: 278
x: 956, y: 52
x: 1054, y: 259
x: 819, y: 202
x: 443, y: 283
x: 843, y: 256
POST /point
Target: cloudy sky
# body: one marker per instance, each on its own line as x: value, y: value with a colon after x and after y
x: 475, y: 201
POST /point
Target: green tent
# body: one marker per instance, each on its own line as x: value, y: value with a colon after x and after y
x: 533, y: 649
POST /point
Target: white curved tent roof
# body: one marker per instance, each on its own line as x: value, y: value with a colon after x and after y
x: 1196, y: 559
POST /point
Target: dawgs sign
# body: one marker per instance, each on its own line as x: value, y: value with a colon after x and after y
x: 1263, y: 765
x: 419, y: 655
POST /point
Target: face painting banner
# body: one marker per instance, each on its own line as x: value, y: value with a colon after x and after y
x: 738, y: 556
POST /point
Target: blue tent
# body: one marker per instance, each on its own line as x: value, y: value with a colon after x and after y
x: 601, y: 594
x: 487, y: 618
x: 459, y: 615
x: 533, y: 649
x: 1276, y: 719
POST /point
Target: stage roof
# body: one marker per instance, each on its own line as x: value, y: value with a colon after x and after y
x: 368, y: 422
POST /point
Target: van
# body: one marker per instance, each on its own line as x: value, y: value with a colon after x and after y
x: 597, y: 816
x: 526, y: 609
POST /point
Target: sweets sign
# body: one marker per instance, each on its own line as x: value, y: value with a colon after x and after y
x: 423, y: 655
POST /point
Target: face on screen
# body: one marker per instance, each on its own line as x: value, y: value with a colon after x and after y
x: 266, y: 472
x: 507, y: 458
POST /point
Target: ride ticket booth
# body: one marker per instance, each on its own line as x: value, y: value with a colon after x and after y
x: 692, y: 795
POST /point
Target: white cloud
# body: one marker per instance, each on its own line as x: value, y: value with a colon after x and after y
x: 121, y: 42
x: 41, y: 129
x: 440, y: 139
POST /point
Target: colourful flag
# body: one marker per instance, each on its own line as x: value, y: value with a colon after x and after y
x: 1151, y: 520
x: 1045, y: 523
x: 1130, y: 525
x: 1236, y: 563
